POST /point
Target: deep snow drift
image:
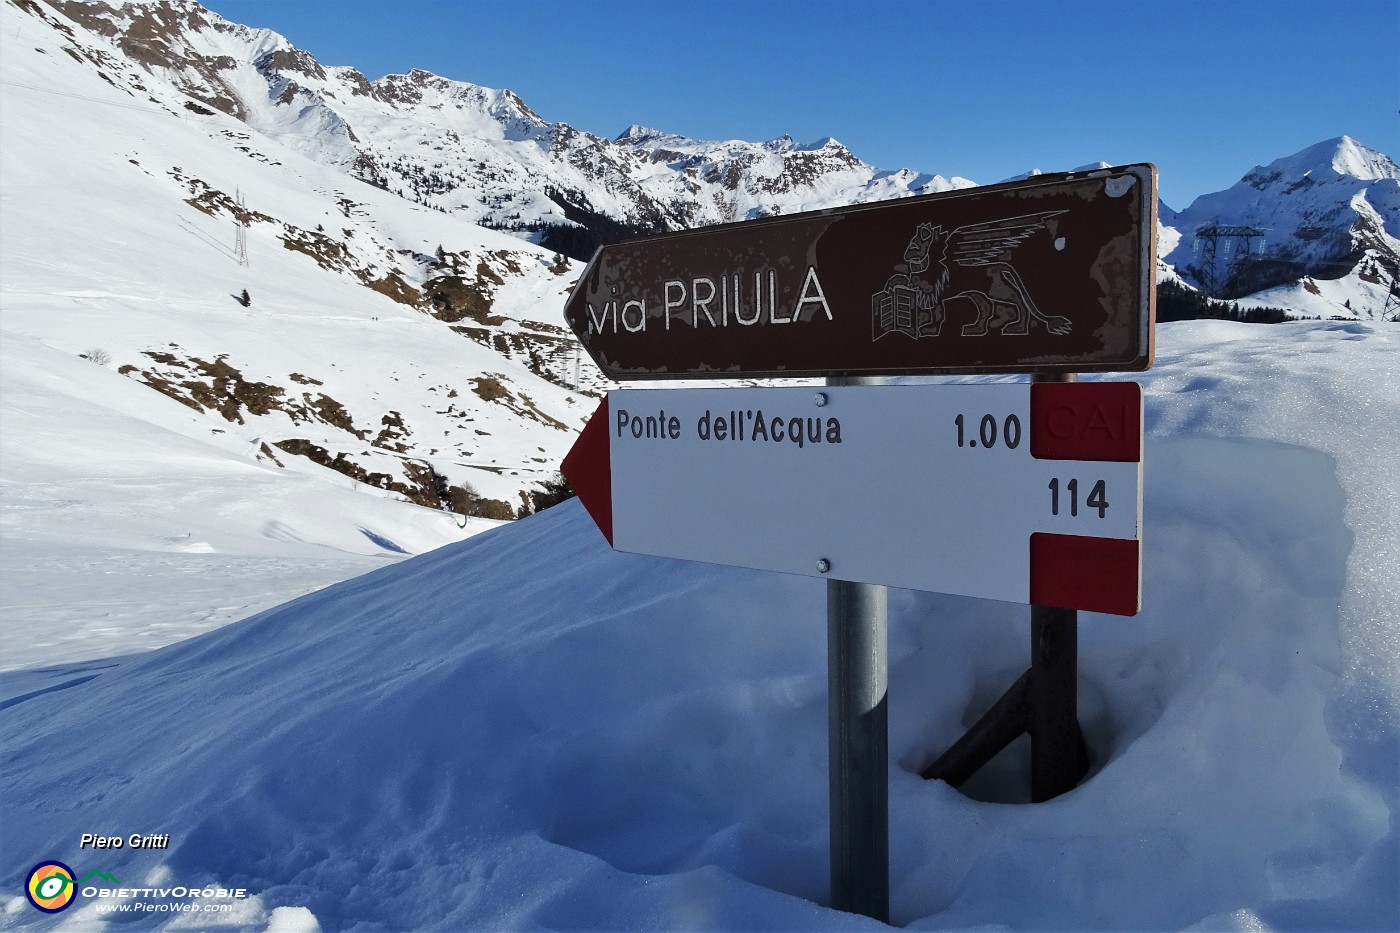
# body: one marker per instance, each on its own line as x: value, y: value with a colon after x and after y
x: 526, y: 730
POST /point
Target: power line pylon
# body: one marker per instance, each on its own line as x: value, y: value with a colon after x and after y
x: 240, y: 223
x: 1238, y: 236
x: 1392, y: 301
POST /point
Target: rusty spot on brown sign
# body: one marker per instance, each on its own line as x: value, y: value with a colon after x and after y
x: 1052, y: 274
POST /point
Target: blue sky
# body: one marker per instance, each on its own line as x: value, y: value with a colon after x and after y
x: 984, y: 89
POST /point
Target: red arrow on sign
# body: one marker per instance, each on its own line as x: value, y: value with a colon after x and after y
x: 588, y: 468
x: 1023, y: 493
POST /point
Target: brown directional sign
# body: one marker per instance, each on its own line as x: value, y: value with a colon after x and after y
x: 1051, y: 274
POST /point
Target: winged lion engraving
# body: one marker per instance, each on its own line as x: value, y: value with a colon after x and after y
x: 973, y: 262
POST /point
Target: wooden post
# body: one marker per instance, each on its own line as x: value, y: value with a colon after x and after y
x: 1053, y: 691
x: 1043, y: 702
x: 1053, y: 719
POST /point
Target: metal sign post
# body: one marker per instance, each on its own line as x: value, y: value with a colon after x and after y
x: 1031, y: 494
x: 857, y: 674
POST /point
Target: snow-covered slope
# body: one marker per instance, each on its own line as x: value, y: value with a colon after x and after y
x: 124, y: 514
x: 396, y: 336
x: 389, y: 354
x: 529, y: 731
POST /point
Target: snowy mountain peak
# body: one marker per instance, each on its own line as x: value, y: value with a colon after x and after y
x: 284, y: 57
x: 1327, y: 161
x: 1352, y: 158
x: 150, y: 16
x: 172, y: 33
x: 652, y: 141
x: 638, y: 135
x: 785, y: 143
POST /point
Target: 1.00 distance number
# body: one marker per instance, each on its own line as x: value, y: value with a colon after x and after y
x: 988, y: 432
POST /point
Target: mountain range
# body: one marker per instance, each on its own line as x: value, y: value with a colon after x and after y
x: 483, y: 154
x: 366, y: 276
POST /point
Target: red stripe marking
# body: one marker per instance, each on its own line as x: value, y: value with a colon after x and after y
x: 1093, y: 574
x: 588, y: 468
x: 1086, y: 421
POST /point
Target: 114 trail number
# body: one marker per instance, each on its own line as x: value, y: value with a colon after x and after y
x: 1097, y: 499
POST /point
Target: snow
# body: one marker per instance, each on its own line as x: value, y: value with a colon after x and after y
x: 112, y: 493
x: 1345, y: 297
x: 527, y: 730
x: 102, y: 251
x: 1345, y: 156
x: 368, y: 717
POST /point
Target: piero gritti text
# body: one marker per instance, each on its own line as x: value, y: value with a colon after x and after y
x: 134, y: 841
